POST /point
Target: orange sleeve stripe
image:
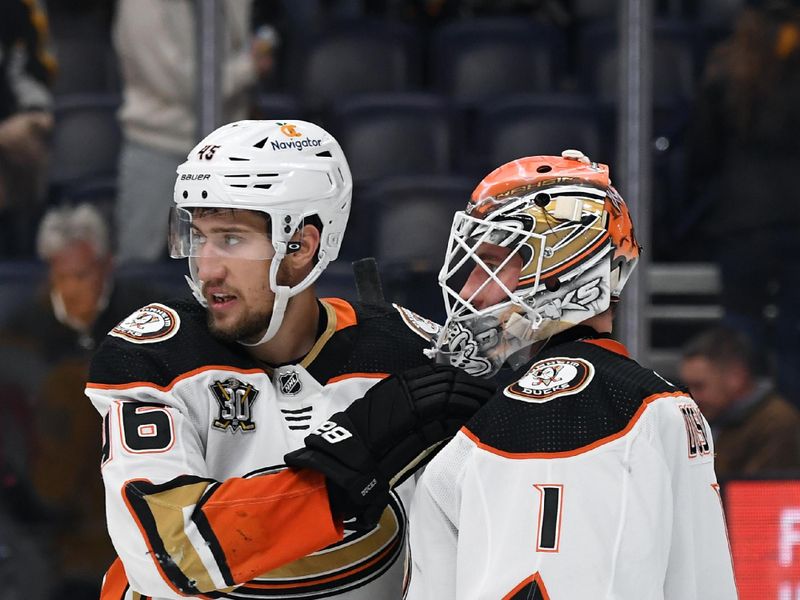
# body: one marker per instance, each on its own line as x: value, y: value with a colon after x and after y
x: 266, y: 522
x: 263, y: 522
x: 577, y: 451
x: 345, y: 313
x: 115, y: 583
x: 171, y: 384
x: 356, y: 376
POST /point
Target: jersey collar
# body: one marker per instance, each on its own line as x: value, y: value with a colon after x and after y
x: 335, y: 314
x: 584, y: 333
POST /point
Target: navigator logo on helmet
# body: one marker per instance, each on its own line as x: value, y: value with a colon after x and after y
x: 293, y: 183
x: 575, y: 238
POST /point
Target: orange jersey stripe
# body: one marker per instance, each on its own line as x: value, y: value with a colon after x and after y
x: 174, y: 382
x: 345, y: 314
x: 357, y: 375
x: 263, y: 522
x: 608, y: 344
x: 115, y: 583
x: 535, y: 578
x: 582, y: 449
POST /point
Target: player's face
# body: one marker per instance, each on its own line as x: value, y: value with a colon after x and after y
x: 492, y: 293
x: 235, y: 285
x: 78, y: 276
x: 708, y: 385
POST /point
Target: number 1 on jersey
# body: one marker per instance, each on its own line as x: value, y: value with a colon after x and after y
x: 551, y: 498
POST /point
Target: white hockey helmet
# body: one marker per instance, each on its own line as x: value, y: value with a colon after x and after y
x: 572, y: 231
x: 293, y: 171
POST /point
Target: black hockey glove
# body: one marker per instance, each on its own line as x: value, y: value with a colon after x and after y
x: 381, y: 439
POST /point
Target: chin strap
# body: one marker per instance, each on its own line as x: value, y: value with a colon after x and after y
x: 196, y: 290
x: 282, y: 295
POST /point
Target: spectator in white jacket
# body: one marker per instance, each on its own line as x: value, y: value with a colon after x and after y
x: 157, y: 48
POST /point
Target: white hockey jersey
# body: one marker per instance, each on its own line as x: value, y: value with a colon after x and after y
x: 587, y: 477
x: 199, y: 503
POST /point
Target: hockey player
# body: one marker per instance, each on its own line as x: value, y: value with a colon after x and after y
x: 586, y: 475
x: 201, y: 401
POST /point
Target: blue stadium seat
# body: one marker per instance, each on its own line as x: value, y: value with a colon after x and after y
x: 718, y: 15
x: 412, y: 219
x: 337, y: 281
x: 278, y: 106
x: 675, y: 59
x: 528, y: 125
x: 86, y: 139
x: 355, y: 57
x: 394, y: 134
x: 19, y: 281
x: 586, y: 10
x: 483, y: 59
x: 166, y: 277
x: 81, y: 43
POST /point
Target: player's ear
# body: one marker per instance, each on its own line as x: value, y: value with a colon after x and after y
x: 308, y: 238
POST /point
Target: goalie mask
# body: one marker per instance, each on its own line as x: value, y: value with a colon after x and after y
x: 545, y: 243
x: 294, y: 172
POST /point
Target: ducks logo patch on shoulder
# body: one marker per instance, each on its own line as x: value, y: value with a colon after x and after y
x: 550, y: 378
x: 424, y: 328
x: 152, y: 323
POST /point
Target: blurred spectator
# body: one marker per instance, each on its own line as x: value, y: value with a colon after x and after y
x: 26, y: 71
x: 755, y: 429
x: 60, y: 329
x: 83, y: 301
x: 743, y: 161
x: 156, y: 44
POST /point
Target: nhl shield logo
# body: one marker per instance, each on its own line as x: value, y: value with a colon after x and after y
x: 289, y: 383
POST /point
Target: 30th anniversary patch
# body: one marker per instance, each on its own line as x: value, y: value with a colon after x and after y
x: 550, y: 378
x: 152, y: 323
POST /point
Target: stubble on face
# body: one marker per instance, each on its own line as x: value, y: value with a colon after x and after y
x: 256, y: 312
x: 248, y: 326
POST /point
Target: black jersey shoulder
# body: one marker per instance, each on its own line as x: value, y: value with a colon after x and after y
x: 379, y: 341
x: 157, y: 354
x: 617, y: 388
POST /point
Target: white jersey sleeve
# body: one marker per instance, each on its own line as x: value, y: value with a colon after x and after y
x: 177, y: 530
x: 199, y: 501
